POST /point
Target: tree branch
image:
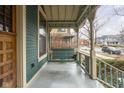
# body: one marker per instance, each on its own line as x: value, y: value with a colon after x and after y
x: 85, y: 35
x: 117, y: 12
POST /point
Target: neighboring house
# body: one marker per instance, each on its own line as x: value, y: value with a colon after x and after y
x: 109, y: 40
x: 63, y: 38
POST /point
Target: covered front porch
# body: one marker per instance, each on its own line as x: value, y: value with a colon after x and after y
x: 47, y: 58
x: 82, y: 67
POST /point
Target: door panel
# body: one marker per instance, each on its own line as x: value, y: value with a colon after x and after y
x: 7, y: 46
x: 7, y: 60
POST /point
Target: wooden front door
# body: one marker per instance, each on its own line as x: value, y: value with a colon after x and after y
x: 7, y: 47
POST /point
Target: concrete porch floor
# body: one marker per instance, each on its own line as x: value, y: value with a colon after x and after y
x: 63, y: 75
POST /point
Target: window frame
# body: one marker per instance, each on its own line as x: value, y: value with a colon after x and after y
x: 11, y: 18
x: 40, y: 11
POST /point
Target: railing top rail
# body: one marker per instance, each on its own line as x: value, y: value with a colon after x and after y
x: 84, y: 53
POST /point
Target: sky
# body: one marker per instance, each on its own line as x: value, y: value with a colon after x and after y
x: 113, y: 22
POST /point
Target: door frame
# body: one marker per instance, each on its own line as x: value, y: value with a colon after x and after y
x: 21, y: 45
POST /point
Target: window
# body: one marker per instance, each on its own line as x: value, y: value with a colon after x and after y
x: 42, y: 35
x: 6, y: 18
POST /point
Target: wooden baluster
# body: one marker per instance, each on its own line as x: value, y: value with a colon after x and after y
x: 111, y: 78
x: 105, y: 77
x: 122, y: 82
x: 117, y: 79
x: 99, y: 70
x: 80, y: 58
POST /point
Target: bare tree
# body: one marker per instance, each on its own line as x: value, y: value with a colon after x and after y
x: 86, y: 30
x: 98, y: 23
x: 120, y: 12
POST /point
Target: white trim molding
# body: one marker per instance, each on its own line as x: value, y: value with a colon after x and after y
x: 40, y: 10
x: 21, y: 45
x: 42, y: 57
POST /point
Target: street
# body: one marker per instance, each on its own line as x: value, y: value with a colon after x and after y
x: 103, y: 55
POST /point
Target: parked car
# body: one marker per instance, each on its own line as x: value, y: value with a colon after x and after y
x: 111, y: 50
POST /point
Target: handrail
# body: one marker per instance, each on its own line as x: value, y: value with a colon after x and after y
x: 116, y: 79
x: 84, y: 53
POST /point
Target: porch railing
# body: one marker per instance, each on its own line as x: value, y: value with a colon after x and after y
x: 84, y: 62
x: 106, y: 73
x: 61, y: 54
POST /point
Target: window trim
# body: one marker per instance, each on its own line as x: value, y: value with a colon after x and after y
x: 40, y: 10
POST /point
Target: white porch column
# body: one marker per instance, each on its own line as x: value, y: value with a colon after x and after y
x: 49, y: 42
x: 92, y: 51
x: 77, y: 46
x: 77, y: 31
x: 21, y: 45
x: 93, y: 70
